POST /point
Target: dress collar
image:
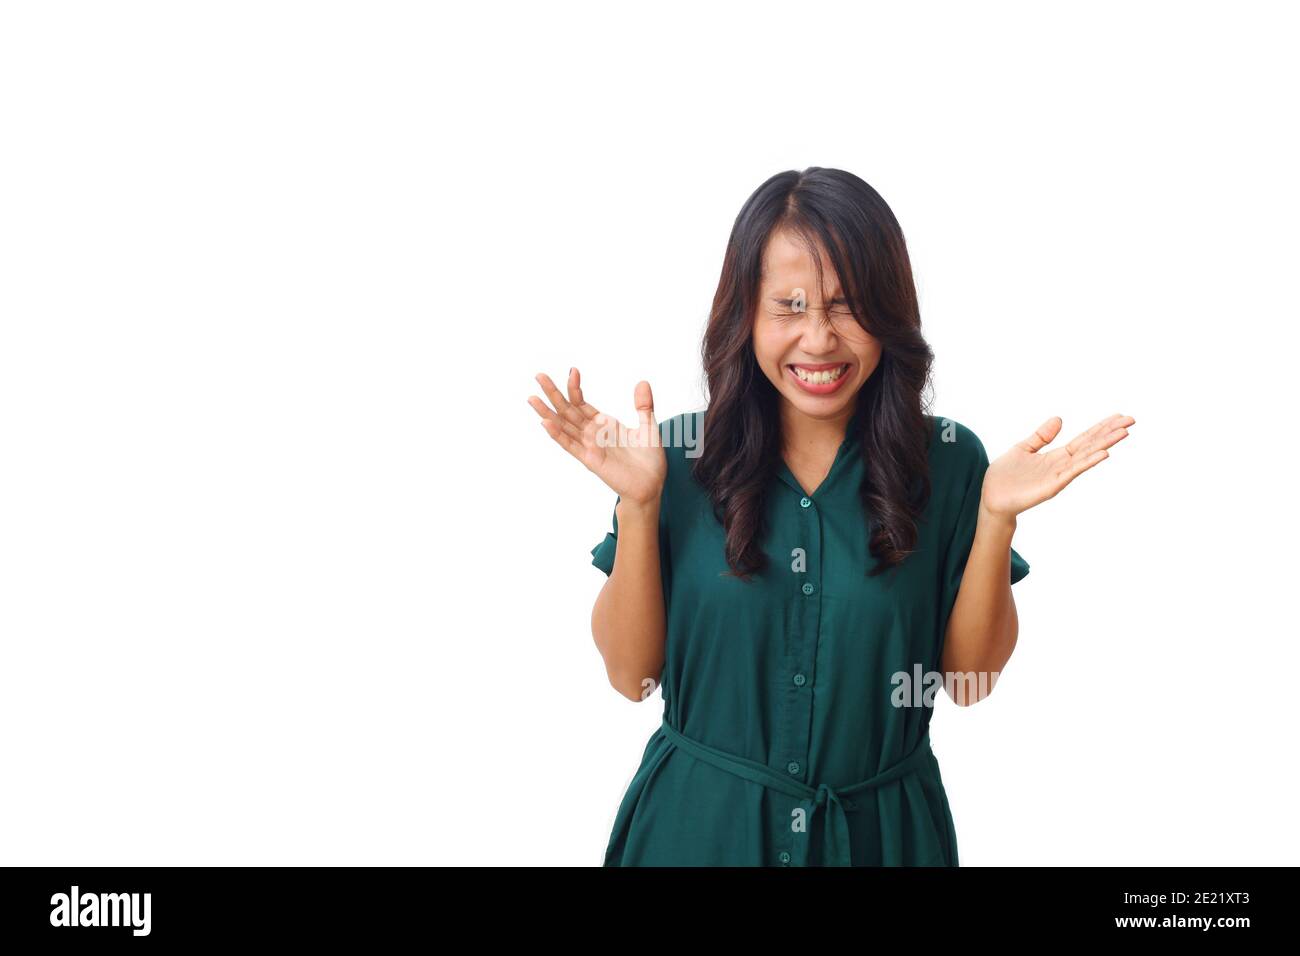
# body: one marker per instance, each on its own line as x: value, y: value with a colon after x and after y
x: 843, y: 458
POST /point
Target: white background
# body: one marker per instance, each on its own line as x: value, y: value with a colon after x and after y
x: 289, y: 573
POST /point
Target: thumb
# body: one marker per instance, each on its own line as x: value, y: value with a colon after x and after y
x: 1044, y: 435
x: 645, y: 410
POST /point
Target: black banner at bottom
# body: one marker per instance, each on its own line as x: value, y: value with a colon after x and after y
x: 370, y: 906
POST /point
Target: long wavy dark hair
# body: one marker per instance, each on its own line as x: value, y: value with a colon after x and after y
x: 741, y: 451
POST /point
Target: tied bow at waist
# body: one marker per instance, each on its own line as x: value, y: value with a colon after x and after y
x: 831, y: 801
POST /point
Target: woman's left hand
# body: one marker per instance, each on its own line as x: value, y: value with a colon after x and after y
x: 1023, y: 477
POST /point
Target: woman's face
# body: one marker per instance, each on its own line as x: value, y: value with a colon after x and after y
x: 813, y: 351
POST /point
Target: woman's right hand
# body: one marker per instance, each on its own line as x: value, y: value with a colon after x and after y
x: 630, y: 461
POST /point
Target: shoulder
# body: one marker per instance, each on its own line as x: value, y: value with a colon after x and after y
x: 956, y: 452
x: 682, y: 436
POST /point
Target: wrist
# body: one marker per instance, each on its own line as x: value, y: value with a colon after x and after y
x: 633, y: 510
x: 995, y: 520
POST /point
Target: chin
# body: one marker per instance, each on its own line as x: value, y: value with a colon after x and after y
x: 822, y: 409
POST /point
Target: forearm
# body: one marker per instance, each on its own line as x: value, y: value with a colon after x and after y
x: 983, y: 626
x: 628, y: 621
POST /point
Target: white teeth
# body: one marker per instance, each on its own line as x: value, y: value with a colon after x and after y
x: 820, y: 378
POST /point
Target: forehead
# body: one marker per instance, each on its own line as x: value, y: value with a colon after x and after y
x: 788, y: 263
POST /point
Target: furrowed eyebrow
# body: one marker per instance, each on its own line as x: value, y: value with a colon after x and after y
x: 791, y: 301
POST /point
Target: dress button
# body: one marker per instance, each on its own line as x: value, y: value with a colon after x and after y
x: 805, y: 502
x: 799, y: 680
x: 785, y: 857
x: 808, y: 589
x: 793, y: 767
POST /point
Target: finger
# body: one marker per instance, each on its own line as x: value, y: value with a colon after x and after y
x: 1098, y: 440
x: 575, y: 395
x: 562, y: 438
x: 562, y: 406
x: 1081, y: 464
x: 1105, y: 441
x: 1044, y: 434
x: 1081, y: 442
x: 545, y: 413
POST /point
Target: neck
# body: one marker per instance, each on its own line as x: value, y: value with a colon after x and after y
x: 803, y: 435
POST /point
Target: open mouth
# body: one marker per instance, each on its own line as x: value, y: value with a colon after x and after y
x: 820, y: 379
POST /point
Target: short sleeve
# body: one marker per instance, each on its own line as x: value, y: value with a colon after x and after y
x: 602, y: 555
x: 970, y: 484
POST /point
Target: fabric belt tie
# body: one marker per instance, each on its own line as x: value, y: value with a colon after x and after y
x: 835, y: 823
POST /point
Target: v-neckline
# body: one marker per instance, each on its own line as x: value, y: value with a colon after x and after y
x: 788, y: 475
x: 850, y: 438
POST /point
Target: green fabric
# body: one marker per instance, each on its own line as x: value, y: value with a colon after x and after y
x: 781, y: 743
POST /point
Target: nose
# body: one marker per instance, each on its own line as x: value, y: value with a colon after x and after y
x: 818, y: 335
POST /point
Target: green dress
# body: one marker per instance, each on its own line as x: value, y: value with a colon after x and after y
x: 795, y: 720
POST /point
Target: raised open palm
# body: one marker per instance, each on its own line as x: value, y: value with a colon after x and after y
x: 1025, y: 477
x: 630, y: 461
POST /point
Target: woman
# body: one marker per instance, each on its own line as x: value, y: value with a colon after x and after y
x: 803, y: 564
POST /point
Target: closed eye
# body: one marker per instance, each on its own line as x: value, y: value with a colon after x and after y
x: 789, y: 303
x: 838, y: 306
